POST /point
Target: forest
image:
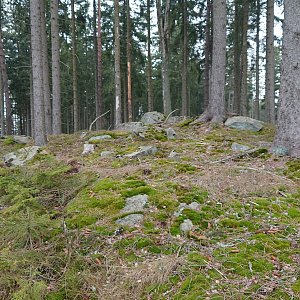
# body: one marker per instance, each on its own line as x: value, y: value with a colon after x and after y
x: 149, y: 150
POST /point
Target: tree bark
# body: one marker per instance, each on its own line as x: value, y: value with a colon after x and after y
x: 7, y: 101
x: 244, y: 61
x: 149, y: 60
x: 2, y: 120
x: 37, y: 73
x: 99, y: 100
x: 184, y: 91
x: 46, y: 82
x: 207, y: 50
x: 216, y: 108
x: 237, y: 58
x: 128, y: 50
x: 118, y: 101
x: 56, y: 86
x: 164, y: 38
x: 74, y: 63
x: 270, y: 65
x: 256, y: 106
x: 288, y: 128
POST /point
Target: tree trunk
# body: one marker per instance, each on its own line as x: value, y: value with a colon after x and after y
x: 184, y: 91
x: 7, y: 101
x: 2, y: 121
x: 207, y: 69
x: 37, y: 73
x: 244, y: 61
x: 237, y: 58
x: 164, y: 38
x: 256, y: 106
x: 56, y: 86
x: 74, y: 63
x: 270, y: 65
x: 46, y: 84
x: 118, y: 101
x: 216, y: 108
x: 99, y: 100
x: 128, y: 50
x: 149, y: 61
x: 288, y: 129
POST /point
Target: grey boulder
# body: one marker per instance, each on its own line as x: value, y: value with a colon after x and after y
x: 143, y: 151
x: 152, y: 117
x: 135, y: 204
x: 20, y: 157
x: 244, y: 123
x: 131, y: 220
x: 239, y: 147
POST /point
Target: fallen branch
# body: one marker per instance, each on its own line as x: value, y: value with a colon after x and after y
x: 90, y: 128
x: 169, y: 115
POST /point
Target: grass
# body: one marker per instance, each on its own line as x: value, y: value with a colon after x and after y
x: 59, y: 239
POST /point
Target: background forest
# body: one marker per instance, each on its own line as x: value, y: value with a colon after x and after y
x: 87, y: 60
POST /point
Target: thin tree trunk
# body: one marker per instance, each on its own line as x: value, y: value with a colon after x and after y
x: 164, y: 38
x: 46, y: 84
x: 184, y: 91
x: 244, y: 61
x: 256, y: 112
x: 74, y: 63
x: 149, y: 60
x: 37, y: 73
x: 207, y: 54
x: 9, y: 121
x: 56, y: 86
x: 128, y: 50
x: 2, y: 121
x: 270, y: 65
x: 99, y: 105
x: 287, y: 140
x: 118, y: 101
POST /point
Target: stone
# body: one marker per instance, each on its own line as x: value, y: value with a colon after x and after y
x: 131, y: 220
x: 171, y: 134
x: 280, y: 151
x: 83, y: 134
x: 21, y: 139
x: 107, y: 153
x: 134, y: 127
x: 152, y: 117
x: 143, y: 151
x: 20, y: 157
x: 100, y: 138
x: 239, y: 147
x: 173, y: 154
x: 186, y: 226
x: 183, y: 206
x: 173, y: 120
x: 244, y: 123
x: 135, y: 204
x: 88, y: 148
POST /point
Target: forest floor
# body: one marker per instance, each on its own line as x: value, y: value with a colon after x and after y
x: 59, y: 238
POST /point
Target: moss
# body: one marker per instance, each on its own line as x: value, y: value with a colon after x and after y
x: 185, y: 123
x: 30, y: 291
x: 185, y: 168
x: 154, y: 134
x: 9, y: 141
x: 296, y: 287
x: 293, y: 169
x: 192, y: 195
x: 80, y: 221
x: 197, y: 259
x: 294, y: 212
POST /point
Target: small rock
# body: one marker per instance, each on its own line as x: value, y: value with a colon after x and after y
x: 186, y: 226
x: 194, y: 206
x: 21, y: 139
x: 88, y: 148
x: 21, y: 156
x: 135, y: 204
x: 143, y: 151
x: 244, y: 123
x: 173, y: 120
x: 131, y: 220
x: 83, y: 134
x: 280, y: 151
x: 152, y: 117
x: 239, y: 147
x: 135, y: 127
x: 171, y: 134
x: 173, y: 154
x: 182, y: 206
x: 100, y: 138
x: 107, y: 153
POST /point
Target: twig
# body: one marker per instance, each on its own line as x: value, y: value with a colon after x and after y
x: 90, y: 128
x: 169, y: 115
